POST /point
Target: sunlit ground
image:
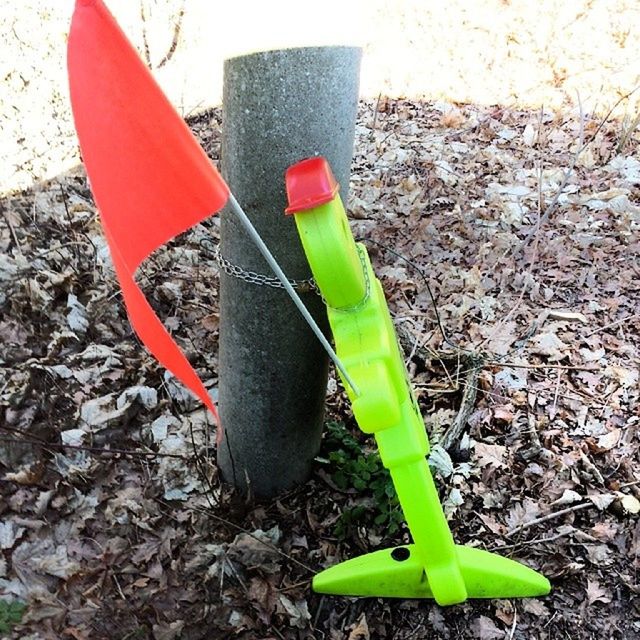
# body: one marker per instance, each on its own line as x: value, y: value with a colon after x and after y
x: 513, y: 53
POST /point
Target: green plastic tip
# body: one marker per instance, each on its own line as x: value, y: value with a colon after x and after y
x: 390, y: 573
x: 488, y: 575
x: 398, y: 573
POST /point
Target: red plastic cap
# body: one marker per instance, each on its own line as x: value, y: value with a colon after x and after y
x: 309, y: 183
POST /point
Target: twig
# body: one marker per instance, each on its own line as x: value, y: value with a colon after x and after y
x: 580, y: 396
x: 292, y: 586
x: 550, y: 516
x: 414, y: 348
x: 515, y: 622
x: 11, y: 228
x: 176, y: 36
x: 562, y: 367
x: 428, y: 287
x: 529, y: 273
x: 568, y: 173
x: 318, y: 611
x: 375, y: 114
x: 554, y: 406
x: 200, y: 464
x: 452, y: 434
x: 201, y: 467
x: 591, y: 468
x: 119, y: 588
x: 473, y: 364
x: 613, y: 108
x: 145, y: 42
x: 524, y: 543
x: 28, y: 438
x: 612, y: 324
x: 278, y: 633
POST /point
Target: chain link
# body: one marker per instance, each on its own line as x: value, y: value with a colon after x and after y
x: 236, y: 271
x: 303, y: 286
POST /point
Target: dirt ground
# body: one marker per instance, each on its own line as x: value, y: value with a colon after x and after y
x: 513, y: 53
x: 524, y: 222
x: 113, y: 527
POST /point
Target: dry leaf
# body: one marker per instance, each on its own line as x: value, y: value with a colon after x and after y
x: 630, y: 503
x: 211, y: 322
x: 500, y: 337
x: 490, y: 454
x: 548, y: 344
x: 504, y: 413
x: 361, y: 630
x: 535, y: 607
x: 452, y: 118
x: 599, y: 554
x: 484, y: 628
x: 521, y: 513
x: 168, y: 631
x: 529, y: 135
x: 609, y: 440
x: 568, y: 497
x: 557, y: 314
x: 29, y: 476
x: 605, y: 531
x: 626, y: 377
x: 9, y: 533
x: 596, y: 593
x: 602, y: 500
x: 297, y: 612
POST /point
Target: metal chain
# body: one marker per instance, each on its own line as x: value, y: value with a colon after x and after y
x: 236, y: 271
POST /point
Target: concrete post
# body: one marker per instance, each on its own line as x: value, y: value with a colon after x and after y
x: 278, y: 108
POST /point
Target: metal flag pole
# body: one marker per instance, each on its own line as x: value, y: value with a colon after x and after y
x: 275, y: 267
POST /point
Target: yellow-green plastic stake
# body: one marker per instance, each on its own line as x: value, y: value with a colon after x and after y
x: 366, y: 343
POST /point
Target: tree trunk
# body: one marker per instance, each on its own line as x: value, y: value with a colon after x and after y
x: 279, y: 107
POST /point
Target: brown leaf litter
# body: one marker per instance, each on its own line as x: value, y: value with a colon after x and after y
x: 113, y: 521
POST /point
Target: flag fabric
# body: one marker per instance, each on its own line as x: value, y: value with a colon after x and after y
x: 150, y: 178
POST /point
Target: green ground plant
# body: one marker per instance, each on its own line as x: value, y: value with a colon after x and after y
x: 353, y: 466
x: 10, y: 614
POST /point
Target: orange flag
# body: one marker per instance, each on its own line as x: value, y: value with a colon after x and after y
x: 150, y: 178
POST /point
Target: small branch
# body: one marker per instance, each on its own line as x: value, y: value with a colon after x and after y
x: 550, y: 516
x: 562, y: 367
x: 375, y: 115
x: 11, y: 228
x: 529, y: 276
x: 613, y: 324
x: 453, y: 433
x: 26, y: 438
x: 591, y: 468
x: 293, y: 586
x: 145, y: 42
x: 514, y: 625
x: 176, y: 36
x: 613, y: 108
x: 568, y: 173
x: 524, y: 543
x: 554, y: 406
x: 472, y: 364
x: 421, y: 273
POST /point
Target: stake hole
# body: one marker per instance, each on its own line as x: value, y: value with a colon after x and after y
x: 400, y: 554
